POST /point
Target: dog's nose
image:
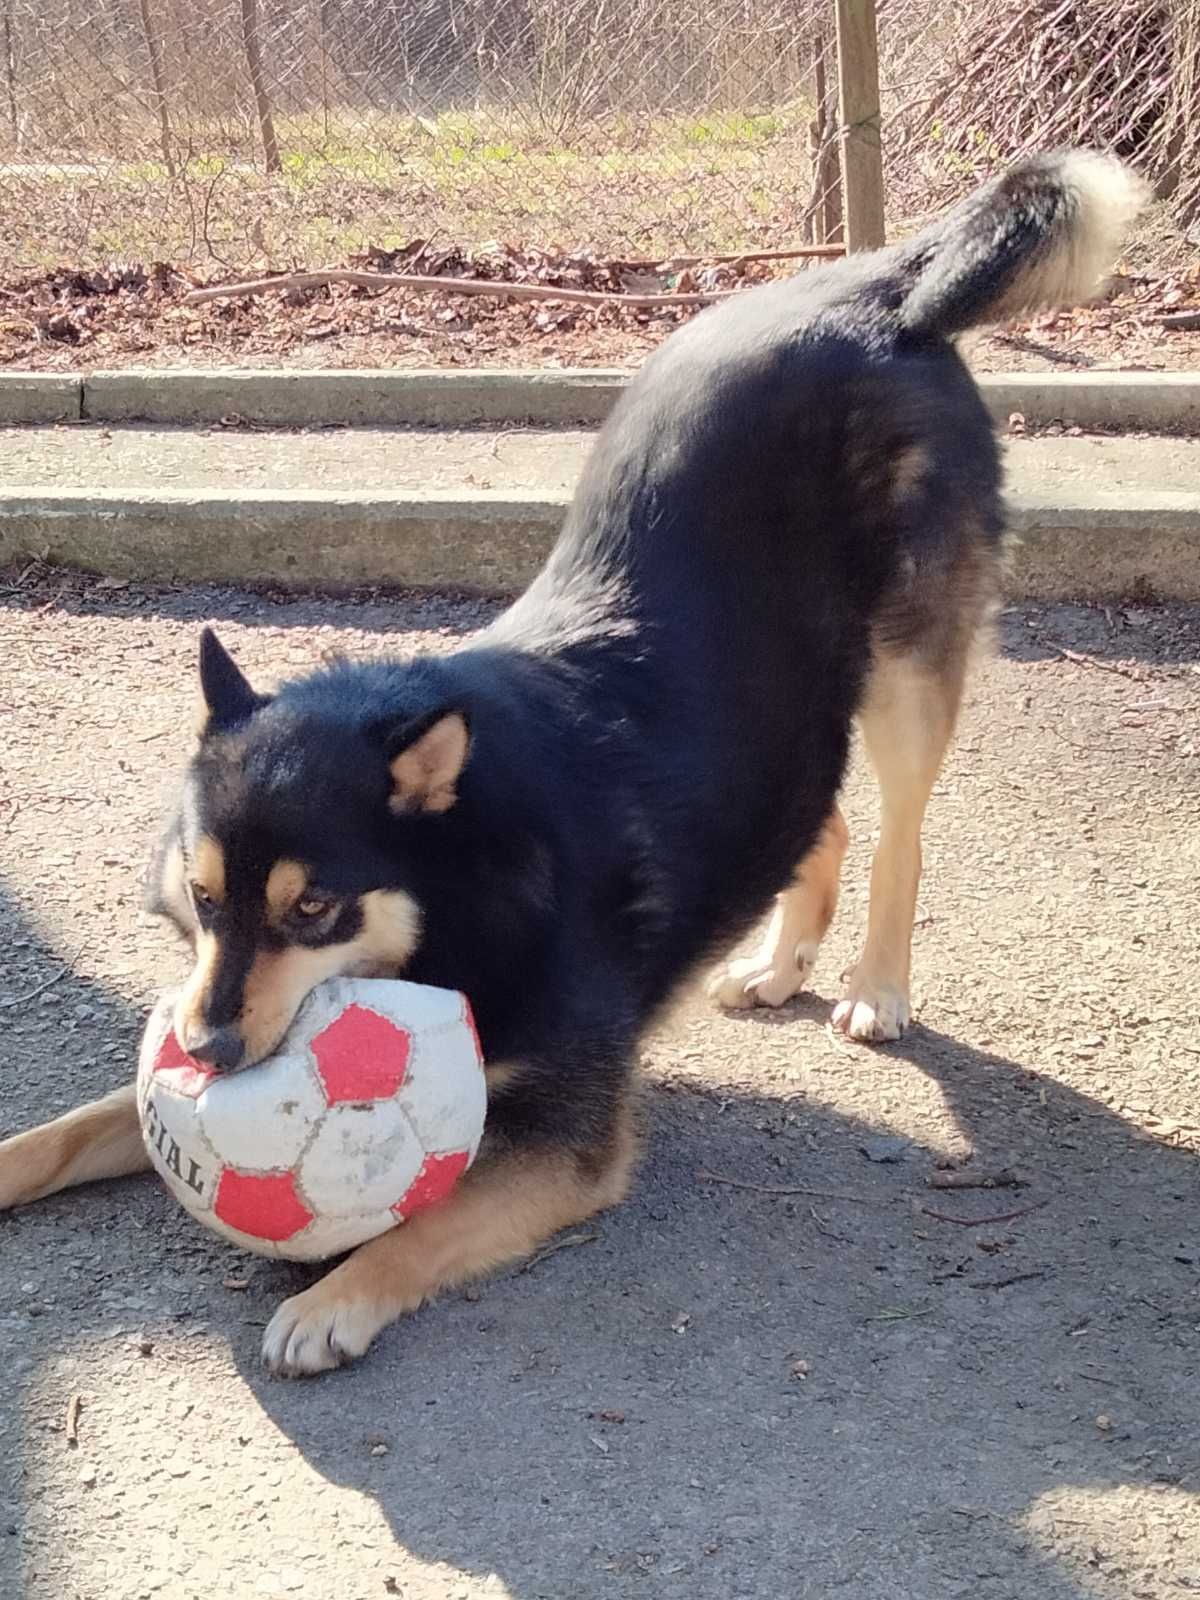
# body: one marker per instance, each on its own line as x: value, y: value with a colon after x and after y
x: 222, y: 1048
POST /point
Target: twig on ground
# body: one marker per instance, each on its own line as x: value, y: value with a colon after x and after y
x: 505, y: 433
x: 1065, y: 358
x: 781, y: 1189
x: 423, y: 285
x: 819, y: 250
x: 900, y: 1314
x: 983, y: 1222
x: 1013, y: 1277
x: 22, y: 999
x: 819, y: 1225
x: 208, y: 244
x: 73, y: 1407
x: 569, y: 1243
x: 425, y: 247
x: 966, y: 1178
x: 1183, y: 320
x: 1080, y: 659
x: 40, y: 611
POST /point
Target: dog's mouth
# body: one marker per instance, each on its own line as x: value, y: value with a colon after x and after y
x: 244, y: 1042
x: 231, y: 1044
x: 241, y: 998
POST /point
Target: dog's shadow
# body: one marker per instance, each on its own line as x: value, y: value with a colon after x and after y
x: 733, y: 1390
x: 720, y: 1388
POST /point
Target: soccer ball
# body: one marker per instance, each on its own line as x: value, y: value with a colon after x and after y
x: 372, y: 1108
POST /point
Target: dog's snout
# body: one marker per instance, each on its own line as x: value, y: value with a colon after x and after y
x: 219, y: 1047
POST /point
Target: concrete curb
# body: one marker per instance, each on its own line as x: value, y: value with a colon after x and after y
x: 1152, y: 402
x: 1103, y: 547
x: 1135, y: 402
x: 1099, y: 547
x: 413, y: 398
x: 488, y: 541
x: 40, y: 397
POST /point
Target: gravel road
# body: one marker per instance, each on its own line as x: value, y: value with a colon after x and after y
x: 723, y: 1391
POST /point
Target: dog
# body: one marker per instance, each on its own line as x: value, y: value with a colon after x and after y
x: 791, y: 520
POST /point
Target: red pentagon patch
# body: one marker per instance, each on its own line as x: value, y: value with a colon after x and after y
x: 361, y: 1056
x: 265, y: 1208
x: 179, y: 1071
x: 437, y: 1177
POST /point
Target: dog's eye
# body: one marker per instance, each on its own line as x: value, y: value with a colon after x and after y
x: 201, y: 896
x: 312, y: 907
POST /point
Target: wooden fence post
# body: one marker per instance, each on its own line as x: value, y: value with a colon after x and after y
x: 862, y: 156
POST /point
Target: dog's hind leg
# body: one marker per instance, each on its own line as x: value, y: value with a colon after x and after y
x: 101, y: 1140
x: 781, y: 965
x: 906, y: 719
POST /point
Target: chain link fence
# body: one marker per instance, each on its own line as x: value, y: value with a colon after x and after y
x: 967, y: 87
x: 279, y: 132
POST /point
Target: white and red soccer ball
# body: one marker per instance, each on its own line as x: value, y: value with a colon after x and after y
x: 372, y: 1108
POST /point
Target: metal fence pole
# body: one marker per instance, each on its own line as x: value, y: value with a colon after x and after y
x: 862, y: 157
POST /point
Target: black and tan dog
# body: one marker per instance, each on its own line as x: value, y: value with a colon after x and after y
x: 792, y: 519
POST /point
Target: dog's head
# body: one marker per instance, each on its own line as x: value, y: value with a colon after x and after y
x: 284, y: 867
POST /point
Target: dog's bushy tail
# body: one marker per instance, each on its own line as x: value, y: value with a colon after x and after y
x: 1043, y: 235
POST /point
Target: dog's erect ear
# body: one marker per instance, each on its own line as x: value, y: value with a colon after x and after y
x: 228, y: 698
x: 426, y: 759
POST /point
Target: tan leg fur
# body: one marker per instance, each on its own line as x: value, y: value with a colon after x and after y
x: 782, y: 964
x: 503, y: 1209
x: 101, y: 1140
x: 906, y: 722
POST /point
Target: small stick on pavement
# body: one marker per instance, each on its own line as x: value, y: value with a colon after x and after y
x: 1004, y: 1283
x: 781, y: 1189
x: 1080, y: 659
x: 73, y: 1406
x: 506, y: 433
x: 983, y: 1222
x: 22, y: 999
x: 571, y: 1240
x: 966, y: 1178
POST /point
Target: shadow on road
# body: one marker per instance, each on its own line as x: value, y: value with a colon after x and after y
x: 631, y: 1410
x: 1144, y: 633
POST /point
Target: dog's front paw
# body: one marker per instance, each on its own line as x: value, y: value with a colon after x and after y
x: 317, y: 1331
x: 768, y: 978
x: 871, y: 1012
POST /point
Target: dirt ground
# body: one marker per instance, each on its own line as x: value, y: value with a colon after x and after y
x: 788, y: 1366
x: 138, y: 315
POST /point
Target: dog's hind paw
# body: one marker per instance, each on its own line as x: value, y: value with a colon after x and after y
x: 768, y: 978
x: 871, y: 1013
x: 317, y: 1331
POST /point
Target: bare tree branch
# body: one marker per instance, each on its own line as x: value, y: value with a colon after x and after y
x: 402, y: 280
